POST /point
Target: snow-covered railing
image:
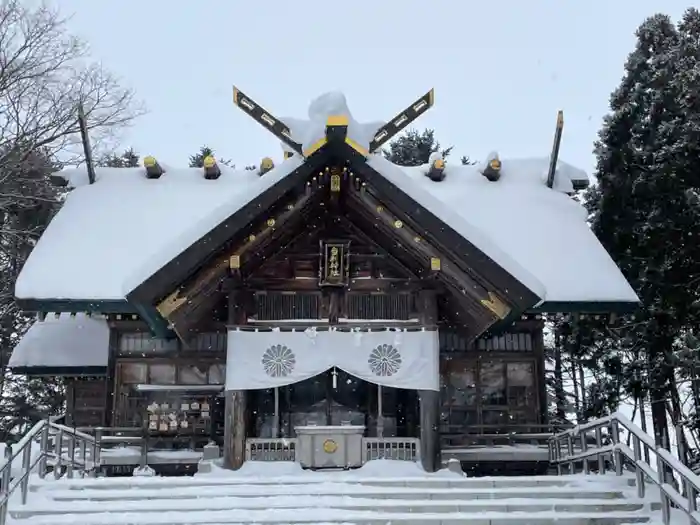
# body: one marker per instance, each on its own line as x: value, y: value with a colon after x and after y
x: 401, y: 449
x: 577, y: 446
x: 270, y: 449
x: 47, y: 444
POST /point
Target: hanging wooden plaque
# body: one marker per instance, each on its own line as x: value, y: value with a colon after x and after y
x: 334, y: 263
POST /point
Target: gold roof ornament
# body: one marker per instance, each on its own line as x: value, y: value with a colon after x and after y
x: 153, y: 169
x: 498, y: 307
x: 492, y: 168
x: 211, y: 168
x: 266, y: 165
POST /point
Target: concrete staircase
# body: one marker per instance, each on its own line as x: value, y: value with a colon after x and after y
x: 337, y: 498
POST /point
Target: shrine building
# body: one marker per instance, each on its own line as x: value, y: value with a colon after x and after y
x: 332, y: 294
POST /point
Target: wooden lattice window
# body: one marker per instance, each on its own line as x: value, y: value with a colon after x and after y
x: 380, y: 306
x: 274, y: 306
x: 452, y: 341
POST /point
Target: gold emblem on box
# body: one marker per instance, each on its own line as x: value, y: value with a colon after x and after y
x: 330, y: 446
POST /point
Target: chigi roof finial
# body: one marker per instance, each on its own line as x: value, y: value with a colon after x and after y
x: 555, y: 149
x: 87, y: 149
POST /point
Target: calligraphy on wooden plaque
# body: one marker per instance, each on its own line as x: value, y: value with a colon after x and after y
x: 334, y: 267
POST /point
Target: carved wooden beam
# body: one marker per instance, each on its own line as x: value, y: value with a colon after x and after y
x: 274, y: 125
x: 379, y: 249
x: 400, y: 121
x: 436, y: 261
x: 358, y: 285
x: 183, y: 307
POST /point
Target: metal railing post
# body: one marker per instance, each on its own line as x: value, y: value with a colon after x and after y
x: 44, y: 445
x: 583, y: 443
x: 71, y: 455
x: 665, y: 503
x: 599, y: 445
x: 83, y: 457
x: 97, y: 452
x: 638, y: 474
x: 58, y: 452
x: 617, y: 454
x: 6, y: 479
x: 26, y: 467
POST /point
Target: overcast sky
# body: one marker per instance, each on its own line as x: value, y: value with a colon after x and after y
x: 501, y: 68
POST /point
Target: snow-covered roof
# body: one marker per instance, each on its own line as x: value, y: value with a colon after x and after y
x: 110, y: 236
x: 540, y: 235
x: 65, y: 341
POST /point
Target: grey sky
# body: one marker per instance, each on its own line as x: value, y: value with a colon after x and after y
x: 500, y: 68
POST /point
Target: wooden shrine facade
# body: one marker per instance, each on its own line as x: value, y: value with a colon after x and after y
x: 334, y: 241
x: 494, y: 384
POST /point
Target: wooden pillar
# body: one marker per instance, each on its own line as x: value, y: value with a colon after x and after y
x: 429, y: 399
x: 429, y: 429
x: 234, y: 429
x: 235, y: 400
x: 540, y: 374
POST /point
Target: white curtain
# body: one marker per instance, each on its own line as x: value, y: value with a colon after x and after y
x: 267, y: 359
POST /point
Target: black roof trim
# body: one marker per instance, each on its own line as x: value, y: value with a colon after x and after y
x: 177, y: 270
x: 444, y: 236
x: 68, y: 371
x: 593, y: 307
x: 76, y: 305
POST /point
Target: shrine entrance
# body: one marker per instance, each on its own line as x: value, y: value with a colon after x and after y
x: 335, y: 398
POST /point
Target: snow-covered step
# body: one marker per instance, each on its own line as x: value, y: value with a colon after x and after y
x: 337, y: 517
x: 416, y: 504
x: 346, y: 479
x: 365, y: 497
x: 331, y: 489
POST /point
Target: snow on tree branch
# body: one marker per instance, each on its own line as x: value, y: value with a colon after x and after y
x: 44, y: 75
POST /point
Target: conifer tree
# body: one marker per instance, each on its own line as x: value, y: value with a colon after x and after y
x: 414, y: 148
x: 197, y: 160
x: 128, y: 159
x: 639, y: 207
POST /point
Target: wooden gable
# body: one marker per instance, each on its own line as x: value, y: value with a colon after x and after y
x: 334, y: 190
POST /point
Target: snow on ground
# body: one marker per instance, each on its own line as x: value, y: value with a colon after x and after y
x: 383, y: 489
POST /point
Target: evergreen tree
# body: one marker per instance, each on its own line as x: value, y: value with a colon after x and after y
x: 414, y: 148
x: 639, y: 209
x: 197, y: 160
x: 128, y: 159
x: 29, y: 202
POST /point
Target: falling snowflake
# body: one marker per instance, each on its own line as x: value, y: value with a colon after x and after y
x: 384, y: 360
x: 278, y: 361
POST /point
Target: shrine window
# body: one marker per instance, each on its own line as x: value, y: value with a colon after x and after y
x: 380, y: 306
x: 487, y: 396
x: 173, y: 377
x: 492, y: 379
x: 272, y: 306
x: 453, y: 341
x: 143, y: 343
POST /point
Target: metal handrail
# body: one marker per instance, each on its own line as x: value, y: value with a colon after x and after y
x: 54, y: 440
x: 667, y: 474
